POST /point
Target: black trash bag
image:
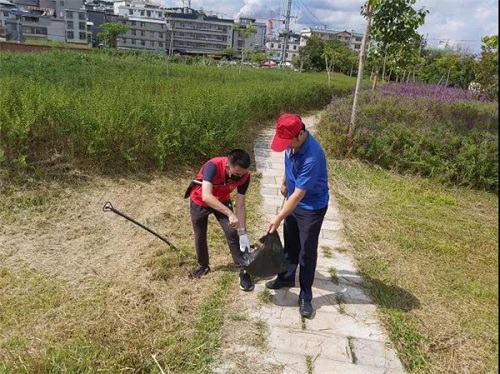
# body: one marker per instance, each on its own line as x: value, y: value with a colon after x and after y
x: 266, y: 258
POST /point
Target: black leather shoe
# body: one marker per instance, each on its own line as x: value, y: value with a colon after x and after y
x: 305, y: 308
x: 277, y: 283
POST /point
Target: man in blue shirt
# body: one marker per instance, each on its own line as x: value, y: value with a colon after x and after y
x: 305, y: 185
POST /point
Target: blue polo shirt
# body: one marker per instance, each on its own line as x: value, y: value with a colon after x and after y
x: 306, y: 169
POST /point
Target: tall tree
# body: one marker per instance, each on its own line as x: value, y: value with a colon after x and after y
x: 487, y: 69
x: 367, y: 11
x: 394, y: 30
x: 110, y: 31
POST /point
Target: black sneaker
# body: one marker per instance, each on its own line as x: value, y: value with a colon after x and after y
x: 200, y: 272
x: 246, y: 283
x: 305, y: 308
x: 277, y: 283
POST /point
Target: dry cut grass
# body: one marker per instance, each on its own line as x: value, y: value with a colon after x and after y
x: 430, y: 257
x: 86, y: 291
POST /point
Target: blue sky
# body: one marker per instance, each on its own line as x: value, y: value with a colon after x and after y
x: 459, y: 23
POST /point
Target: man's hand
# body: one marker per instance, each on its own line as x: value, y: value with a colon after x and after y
x: 233, y: 220
x: 274, y: 224
x: 244, y: 242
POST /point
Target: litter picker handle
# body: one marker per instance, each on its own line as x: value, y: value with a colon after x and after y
x: 108, y: 207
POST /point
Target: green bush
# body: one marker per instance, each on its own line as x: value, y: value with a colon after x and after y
x: 118, y: 108
x: 453, y: 141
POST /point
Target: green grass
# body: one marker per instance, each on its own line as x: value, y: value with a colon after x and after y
x: 309, y: 365
x: 429, y: 255
x: 333, y: 275
x: 116, y: 110
x: 327, y: 251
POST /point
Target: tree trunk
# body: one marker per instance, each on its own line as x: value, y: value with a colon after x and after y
x: 375, y: 77
x: 447, y: 78
x: 362, y: 57
x: 383, y: 67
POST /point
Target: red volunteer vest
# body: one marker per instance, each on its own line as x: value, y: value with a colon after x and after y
x: 222, y: 186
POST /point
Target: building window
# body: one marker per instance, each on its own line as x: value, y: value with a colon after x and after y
x: 160, y: 44
x: 133, y: 41
x: 132, y: 23
x: 142, y: 13
x: 148, y: 13
x: 152, y: 34
x: 81, y: 25
x: 134, y: 32
x: 61, y: 3
x: 143, y: 42
x: 69, y: 14
x: 161, y: 35
x: 81, y: 16
x: 70, y: 35
x: 143, y: 24
x: 130, y: 12
x: 70, y: 25
x: 143, y: 33
x: 83, y: 36
x: 152, y: 43
x: 294, y: 47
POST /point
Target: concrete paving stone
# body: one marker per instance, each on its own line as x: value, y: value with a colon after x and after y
x: 330, y: 242
x: 361, y: 312
x: 271, y: 209
x: 304, y: 343
x: 332, y: 225
x: 375, y: 353
x: 273, y: 200
x: 322, y: 366
x: 270, y: 191
x: 273, y: 172
x: 292, y: 364
x: 335, y: 323
x: 355, y: 295
x: 268, y: 181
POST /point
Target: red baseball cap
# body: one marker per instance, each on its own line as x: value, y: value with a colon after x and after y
x: 287, y: 127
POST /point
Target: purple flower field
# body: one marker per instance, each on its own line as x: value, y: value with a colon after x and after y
x: 425, y: 90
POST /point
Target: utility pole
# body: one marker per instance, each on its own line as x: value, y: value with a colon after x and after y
x: 284, y: 46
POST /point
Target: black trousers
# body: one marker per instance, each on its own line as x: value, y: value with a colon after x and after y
x: 199, y: 219
x: 301, y: 231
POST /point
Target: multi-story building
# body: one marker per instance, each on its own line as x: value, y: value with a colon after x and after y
x: 147, y: 27
x: 144, y: 33
x: 274, y: 48
x: 77, y: 26
x: 255, y: 41
x: 194, y: 32
x: 351, y: 39
x: 7, y: 10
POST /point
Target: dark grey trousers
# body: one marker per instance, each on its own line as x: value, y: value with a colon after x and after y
x: 199, y: 219
x: 301, y: 231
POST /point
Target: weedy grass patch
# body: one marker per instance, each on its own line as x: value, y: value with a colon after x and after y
x: 127, y: 111
x: 429, y: 254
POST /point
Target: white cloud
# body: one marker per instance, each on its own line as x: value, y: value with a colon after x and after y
x: 460, y: 22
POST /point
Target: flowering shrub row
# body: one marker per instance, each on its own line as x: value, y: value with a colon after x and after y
x: 440, y: 133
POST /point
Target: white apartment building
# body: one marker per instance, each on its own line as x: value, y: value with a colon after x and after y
x: 351, y: 39
x: 274, y: 48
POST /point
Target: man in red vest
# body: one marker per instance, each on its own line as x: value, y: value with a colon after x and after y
x: 210, y: 193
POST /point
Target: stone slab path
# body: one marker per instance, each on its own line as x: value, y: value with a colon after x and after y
x: 344, y: 335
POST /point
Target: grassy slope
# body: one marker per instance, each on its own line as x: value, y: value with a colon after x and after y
x: 430, y: 256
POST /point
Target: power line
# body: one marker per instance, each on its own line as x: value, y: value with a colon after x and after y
x: 305, y: 6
